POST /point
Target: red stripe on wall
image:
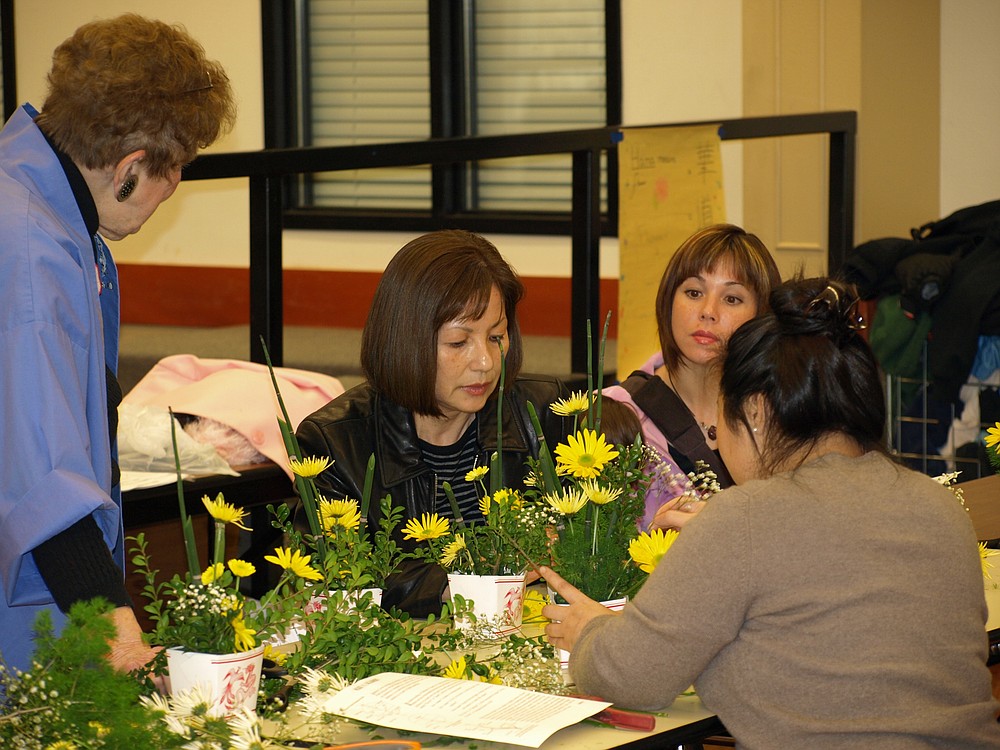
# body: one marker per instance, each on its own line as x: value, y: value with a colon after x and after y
x: 211, y: 296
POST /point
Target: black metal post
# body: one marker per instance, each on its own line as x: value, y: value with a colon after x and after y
x: 586, y: 263
x: 265, y: 269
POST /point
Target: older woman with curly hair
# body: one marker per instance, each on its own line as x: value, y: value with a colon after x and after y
x: 130, y: 102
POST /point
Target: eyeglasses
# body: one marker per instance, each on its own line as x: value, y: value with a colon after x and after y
x: 204, y: 87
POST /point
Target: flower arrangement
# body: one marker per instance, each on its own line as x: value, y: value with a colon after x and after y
x: 598, y: 492
x: 509, y: 536
x: 205, y: 611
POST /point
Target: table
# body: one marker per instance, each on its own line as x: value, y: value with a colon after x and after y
x: 685, y: 723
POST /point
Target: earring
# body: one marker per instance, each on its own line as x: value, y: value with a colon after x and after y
x: 127, y: 187
x: 754, y: 429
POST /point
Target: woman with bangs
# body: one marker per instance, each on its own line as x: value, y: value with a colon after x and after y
x: 719, y: 278
x: 443, y: 317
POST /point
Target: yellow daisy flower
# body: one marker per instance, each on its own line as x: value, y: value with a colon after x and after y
x: 278, y: 657
x: 61, y: 745
x: 647, y: 550
x: 212, y: 573
x: 339, y: 513
x: 577, y: 403
x: 585, y: 454
x: 485, y: 505
x: 243, y: 636
x: 308, y: 468
x: 457, y: 670
x: 476, y: 474
x: 241, y: 568
x: 296, y: 562
x: 993, y: 436
x: 599, y: 495
x: 428, y: 526
x: 452, y: 550
x: 984, y: 558
x: 220, y: 510
x: 99, y: 729
x: 568, y: 503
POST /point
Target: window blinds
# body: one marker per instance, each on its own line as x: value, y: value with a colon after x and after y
x: 533, y: 67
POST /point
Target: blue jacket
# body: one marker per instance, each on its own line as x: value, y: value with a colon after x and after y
x: 58, y: 331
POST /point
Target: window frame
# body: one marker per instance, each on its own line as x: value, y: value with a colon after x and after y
x: 7, y: 58
x: 282, y: 27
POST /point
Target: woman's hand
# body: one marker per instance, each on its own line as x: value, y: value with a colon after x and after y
x: 128, y: 651
x: 568, y: 620
x: 674, y: 513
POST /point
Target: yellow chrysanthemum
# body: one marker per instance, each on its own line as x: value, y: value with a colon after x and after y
x: 457, y: 670
x: 296, y: 562
x: 308, y: 468
x: 984, y: 557
x: 476, y: 474
x: 241, y: 568
x: 278, y: 657
x: 212, y: 573
x: 428, y: 526
x: 584, y: 454
x: 339, y: 513
x: 599, y: 495
x: 243, y: 636
x: 577, y: 403
x: 647, y: 549
x: 220, y: 510
x: 452, y: 550
x: 61, y: 745
x: 534, y: 600
x: 568, y: 503
x: 993, y: 436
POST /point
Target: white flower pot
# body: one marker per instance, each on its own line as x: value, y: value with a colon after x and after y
x: 317, y: 604
x: 231, y: 680
x: 496, y: 599
x: 615, y: 605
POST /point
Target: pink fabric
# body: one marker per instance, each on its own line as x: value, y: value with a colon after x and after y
x: 237, y: 393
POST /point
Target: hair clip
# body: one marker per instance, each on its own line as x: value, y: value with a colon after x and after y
x: 855, y: 320
x: 829, y: 296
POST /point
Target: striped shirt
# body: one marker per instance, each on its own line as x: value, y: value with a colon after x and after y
x: 450, y: 463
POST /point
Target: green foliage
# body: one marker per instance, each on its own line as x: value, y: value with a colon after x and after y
x: 73, y: 695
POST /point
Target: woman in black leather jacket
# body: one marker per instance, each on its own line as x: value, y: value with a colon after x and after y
x: 444, y: 309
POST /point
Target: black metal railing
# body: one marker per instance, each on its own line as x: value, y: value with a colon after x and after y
x: 267, y: 169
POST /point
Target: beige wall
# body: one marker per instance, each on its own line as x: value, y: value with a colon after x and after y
x: 682, y: 60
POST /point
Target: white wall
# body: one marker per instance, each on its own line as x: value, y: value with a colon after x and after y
x: 681, y: 62
x: 970, y: 103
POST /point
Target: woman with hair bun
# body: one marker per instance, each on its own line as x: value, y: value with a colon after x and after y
x: 838, y: 596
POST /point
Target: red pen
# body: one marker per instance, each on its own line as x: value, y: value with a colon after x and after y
x: 619, y: 718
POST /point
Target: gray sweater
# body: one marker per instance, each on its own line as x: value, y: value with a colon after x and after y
x: 838, y: 605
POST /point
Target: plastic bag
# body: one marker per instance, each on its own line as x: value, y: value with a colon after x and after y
x: 144, y: 444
